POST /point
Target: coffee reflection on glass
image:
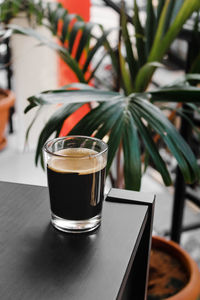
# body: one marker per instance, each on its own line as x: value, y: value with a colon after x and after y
x: 76, y: 169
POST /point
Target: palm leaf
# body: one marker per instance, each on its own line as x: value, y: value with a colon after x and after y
x: 107, y: 118
x: 194, y: 78
x: 125, y: 74
x: 161, y: 45
x: 74, y: 66
x: 131, y: 150
x: 84, y: 39
x: 132, y: 63
x: 32, y: 123
x: 194, y: 107
x: 94, y: 70
x: 59, y: 13
x: 168, y: 15
x: 109, y: 121
x: 92, y: 51
x: 113, y: 55
x: 178, y: 93
x: 64, y: 54
x: 150, y: 26
x: 65, y: 27
x: 144, y: 75
x: 159, y: 32
x: 177, y: 7
x: 172, y: 138
x: 114, y: 139
x: 146, y: 160
x: 70, y: 96
x: 184, y: 115
x: 112, y: 117
x: 55, y: 121
x: 139, y: 33
x: 51, y: 11
x: 151, y: 147
x: 159, y: 11
x: 195, y: 67
x: 77, y: 31
x: 98, y: 117
x: 77, y: 27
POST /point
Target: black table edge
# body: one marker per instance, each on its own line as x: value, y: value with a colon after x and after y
x: 136, y: 198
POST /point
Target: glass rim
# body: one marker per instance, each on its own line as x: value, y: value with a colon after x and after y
x: 45, y: 147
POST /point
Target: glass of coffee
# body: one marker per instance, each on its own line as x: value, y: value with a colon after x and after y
x: 76, y: 169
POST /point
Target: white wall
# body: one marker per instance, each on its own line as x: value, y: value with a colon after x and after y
x: 34, y: 70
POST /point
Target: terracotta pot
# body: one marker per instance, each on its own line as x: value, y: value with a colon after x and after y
x: 191, y: 290
x: 7, y: 100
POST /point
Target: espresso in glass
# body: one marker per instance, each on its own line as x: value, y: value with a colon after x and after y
x: 76, y: 168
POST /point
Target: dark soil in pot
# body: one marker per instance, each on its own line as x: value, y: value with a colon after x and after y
x: 2, y: 95
x: 167, y: 275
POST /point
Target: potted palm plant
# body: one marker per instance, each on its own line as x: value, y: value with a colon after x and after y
x: 127, y: 116
x: 7, y: 100
x: 9, y: 10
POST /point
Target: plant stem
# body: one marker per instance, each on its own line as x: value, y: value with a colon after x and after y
x: 114, y: 6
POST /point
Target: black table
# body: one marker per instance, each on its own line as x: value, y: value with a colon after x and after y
x: 39, y: 262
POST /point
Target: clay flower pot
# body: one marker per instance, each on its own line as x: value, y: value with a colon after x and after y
x: 172, y: 267
x: 7, y: 100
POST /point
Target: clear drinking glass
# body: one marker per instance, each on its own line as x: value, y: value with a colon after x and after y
x: 76, y: 169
